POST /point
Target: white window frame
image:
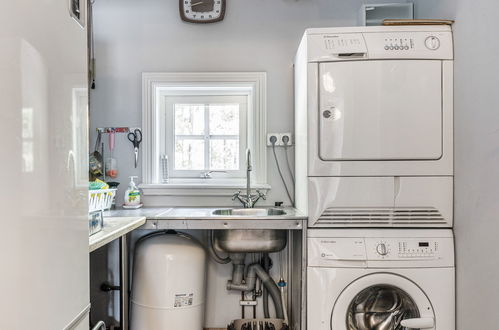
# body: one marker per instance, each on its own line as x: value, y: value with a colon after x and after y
x: 169, y: 98
x: 156, y: 83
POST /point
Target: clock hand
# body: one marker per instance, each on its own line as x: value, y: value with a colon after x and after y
x: 197, y: 3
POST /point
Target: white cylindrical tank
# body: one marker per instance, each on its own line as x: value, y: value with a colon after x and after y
x: 169, y: 278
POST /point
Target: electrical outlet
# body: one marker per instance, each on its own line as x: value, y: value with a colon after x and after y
x: 289, y: 136
x: 277, y: 138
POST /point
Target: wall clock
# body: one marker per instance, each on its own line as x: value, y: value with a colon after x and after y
x: 202, y: 11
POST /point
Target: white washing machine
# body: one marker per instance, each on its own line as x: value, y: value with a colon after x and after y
x: 374, y: 126
x: 388, y: 279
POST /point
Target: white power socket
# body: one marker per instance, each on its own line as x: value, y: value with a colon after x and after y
x: 279, y: 139
x: 289, y: 136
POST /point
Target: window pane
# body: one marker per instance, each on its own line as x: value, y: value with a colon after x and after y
x: 224, y: 154
x: 224, y: 119
x: 189, y: 154
x: 189, y: 119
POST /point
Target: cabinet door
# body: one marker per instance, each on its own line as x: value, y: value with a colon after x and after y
x: 380, y: 110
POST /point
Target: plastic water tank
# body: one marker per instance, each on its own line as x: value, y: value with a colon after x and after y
x: 169, y: 282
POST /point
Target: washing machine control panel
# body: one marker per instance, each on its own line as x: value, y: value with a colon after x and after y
x: 377, y: 251
x: 417, y: 249
x: 410, y: 248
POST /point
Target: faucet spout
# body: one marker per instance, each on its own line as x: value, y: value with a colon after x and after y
x: 248, y: 200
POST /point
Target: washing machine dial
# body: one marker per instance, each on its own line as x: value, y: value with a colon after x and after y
x: 432, y: 43
x: 382, y: 249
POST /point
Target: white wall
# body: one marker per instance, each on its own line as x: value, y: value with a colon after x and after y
x: 147, y: 35
x: 134, y: 36
x: 476, y: 156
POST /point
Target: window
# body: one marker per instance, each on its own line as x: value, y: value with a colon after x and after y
x: 204, y: 133
x: 204, y: 122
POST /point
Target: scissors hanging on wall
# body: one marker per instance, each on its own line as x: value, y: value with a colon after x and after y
x: 136, y: 138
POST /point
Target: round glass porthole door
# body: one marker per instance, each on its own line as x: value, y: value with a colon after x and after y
x: 380, y: 307
x: 382, y: 301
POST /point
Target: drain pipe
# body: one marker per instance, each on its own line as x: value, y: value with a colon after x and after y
x: 254, y: 271
x: 213, y: 252
x: 238, y: 268
x: 266, y: 266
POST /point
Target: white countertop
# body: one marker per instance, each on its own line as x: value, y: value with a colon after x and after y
x: 202, y: 213
x: 203, y: 218
x: 114, y: 227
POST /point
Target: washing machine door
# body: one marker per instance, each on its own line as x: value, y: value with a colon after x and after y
x: 382, y: 301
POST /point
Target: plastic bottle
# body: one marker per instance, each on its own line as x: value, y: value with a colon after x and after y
x: 132, y: 194
x: 111, y: 163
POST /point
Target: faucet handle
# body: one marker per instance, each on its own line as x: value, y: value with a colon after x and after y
x: 261, y: 195
x: 236, y: 195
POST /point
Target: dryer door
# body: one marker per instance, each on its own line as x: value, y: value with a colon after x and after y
x: 382, y: 301
x: 380, y: 110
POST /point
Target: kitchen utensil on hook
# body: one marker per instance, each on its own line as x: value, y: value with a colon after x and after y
x: 136, y: 138
x: 95, y: 159
x: 111, y: 164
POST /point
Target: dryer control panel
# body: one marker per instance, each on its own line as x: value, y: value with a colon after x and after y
x: 386, y: 252
x: 390, y: 44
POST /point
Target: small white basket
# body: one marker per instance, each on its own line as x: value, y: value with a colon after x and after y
x: 100, y: 200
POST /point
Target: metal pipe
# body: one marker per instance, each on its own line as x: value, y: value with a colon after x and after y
x: 254, y: 271
x: 99, y: 326
x: 242, y: 306
x: 266, y: 266
x: 213, y: 252
x: 254, y: 306
x: 282, y: 285
x: 238, y: 267
x: 124, y: 273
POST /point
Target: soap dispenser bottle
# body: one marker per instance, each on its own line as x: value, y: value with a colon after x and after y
x: 132, y: 195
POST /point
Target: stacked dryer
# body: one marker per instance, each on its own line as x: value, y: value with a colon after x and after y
x: 374, y: 117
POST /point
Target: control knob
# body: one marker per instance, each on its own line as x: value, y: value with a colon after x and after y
x: 382, y: 249
x: 432, y: 43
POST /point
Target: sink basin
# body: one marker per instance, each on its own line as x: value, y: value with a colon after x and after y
x: 250, y: 240
x: 255, y: 212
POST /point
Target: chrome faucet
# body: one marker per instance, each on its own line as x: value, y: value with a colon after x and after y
x: 248, y: 200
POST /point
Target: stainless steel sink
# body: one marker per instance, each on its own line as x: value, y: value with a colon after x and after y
x: 250, y: 240
x: 255, y: 212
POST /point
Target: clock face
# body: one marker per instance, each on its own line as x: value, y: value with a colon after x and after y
x: 202, y: 11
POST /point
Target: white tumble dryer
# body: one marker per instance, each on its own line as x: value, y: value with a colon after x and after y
x: 374, y: 117
x: 383, y: 279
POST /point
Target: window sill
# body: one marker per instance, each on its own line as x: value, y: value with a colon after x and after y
x: 199, y: 187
